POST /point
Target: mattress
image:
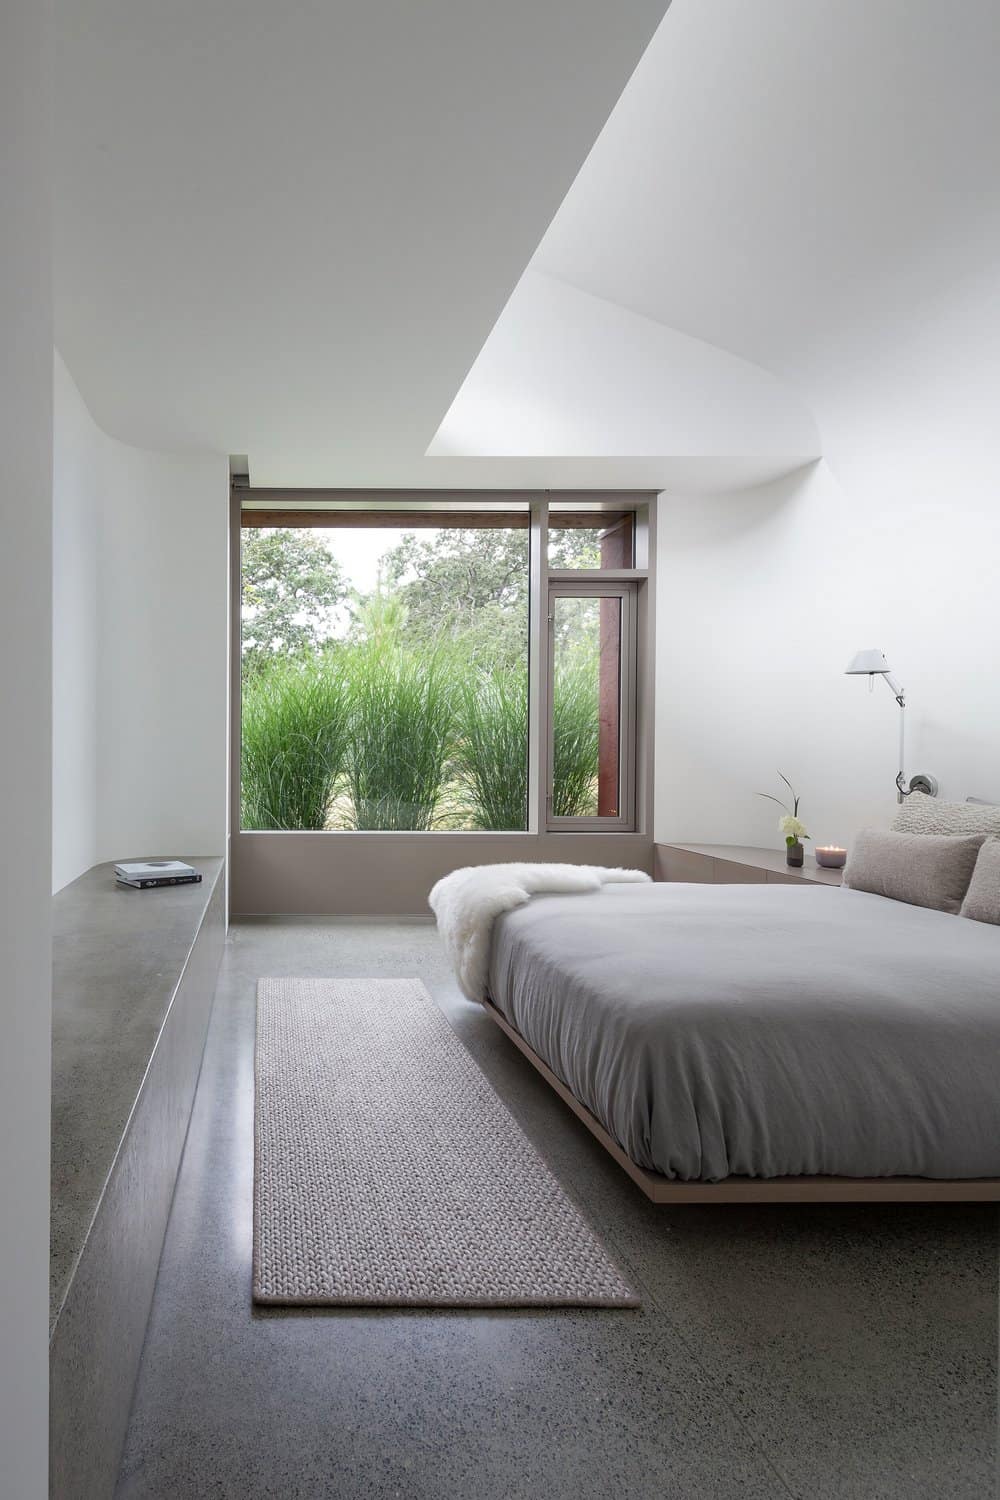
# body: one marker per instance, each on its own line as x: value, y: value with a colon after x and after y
x: 764, y: 1031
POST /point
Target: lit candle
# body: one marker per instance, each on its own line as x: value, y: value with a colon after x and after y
x: 831, y: 856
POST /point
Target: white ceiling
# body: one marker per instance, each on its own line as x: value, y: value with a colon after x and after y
x: 289, y: 232
x: 286, y: 230
x: 785, y: 178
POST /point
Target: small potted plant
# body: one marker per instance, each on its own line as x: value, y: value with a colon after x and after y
x: 790, y: 825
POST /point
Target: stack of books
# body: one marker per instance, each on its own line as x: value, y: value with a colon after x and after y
x: 143, y: 873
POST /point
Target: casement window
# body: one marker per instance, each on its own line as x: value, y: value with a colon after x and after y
x: 432, y: 663
x: 590, y: 760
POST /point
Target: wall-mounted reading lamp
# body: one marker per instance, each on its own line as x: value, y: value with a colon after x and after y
x: 872, y: 664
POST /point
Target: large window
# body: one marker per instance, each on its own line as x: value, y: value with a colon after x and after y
x: 391, y: 671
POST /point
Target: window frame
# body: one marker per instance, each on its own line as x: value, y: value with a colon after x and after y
x: 422, y: 507
x: 591, y: 587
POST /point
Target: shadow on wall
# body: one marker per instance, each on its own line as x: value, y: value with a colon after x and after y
x: 958, y: 746
x: 722, y: 519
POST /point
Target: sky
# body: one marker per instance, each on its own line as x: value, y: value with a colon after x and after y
x: 358, y: 552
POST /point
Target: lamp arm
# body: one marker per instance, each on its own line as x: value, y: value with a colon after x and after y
x: 901, y: 787
x: 900, y: 696
x: 897, y: 691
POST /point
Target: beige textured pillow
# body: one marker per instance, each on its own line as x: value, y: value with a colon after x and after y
x: 982, y: 900
x: 923, y: 814
x: 925, y: 869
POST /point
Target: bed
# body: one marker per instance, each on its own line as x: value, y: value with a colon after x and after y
x: 762, y: 1042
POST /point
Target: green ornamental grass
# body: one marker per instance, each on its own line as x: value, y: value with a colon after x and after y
x: 402, y: 732
x: 492, y: 754
x: 407, y: 738
x: 296, y: 733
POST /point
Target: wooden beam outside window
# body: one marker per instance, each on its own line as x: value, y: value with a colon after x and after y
x: 406, y: 520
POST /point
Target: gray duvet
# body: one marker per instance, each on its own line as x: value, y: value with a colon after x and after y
x: 762, y: 1030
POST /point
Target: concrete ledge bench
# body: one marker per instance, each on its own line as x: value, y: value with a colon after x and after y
x: 134, y: 973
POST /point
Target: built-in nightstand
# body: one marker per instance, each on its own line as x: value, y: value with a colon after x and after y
x: 735, y: 864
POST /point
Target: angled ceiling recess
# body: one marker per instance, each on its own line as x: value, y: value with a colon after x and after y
x: 566, y: 373
x: 800, y: 182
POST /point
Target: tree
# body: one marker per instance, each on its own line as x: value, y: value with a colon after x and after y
x: 471, y: 584
x: 466, y: 584
x: 291, y: 586
x: 573, y: 547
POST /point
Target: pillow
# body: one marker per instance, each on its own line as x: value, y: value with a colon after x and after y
x: 925, y: 869
x: 982, y: 900
x: 923, y: 814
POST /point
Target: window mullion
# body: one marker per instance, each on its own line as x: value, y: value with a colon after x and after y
x: 538, y: 668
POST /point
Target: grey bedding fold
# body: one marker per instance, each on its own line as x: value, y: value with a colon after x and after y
x: 765, y: 1030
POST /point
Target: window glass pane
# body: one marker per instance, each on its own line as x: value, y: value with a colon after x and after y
x: 597, y: 541
x: 385, y: 676
x: 586, y: 707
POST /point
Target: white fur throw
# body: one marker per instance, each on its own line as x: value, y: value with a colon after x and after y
x: 467, y: 902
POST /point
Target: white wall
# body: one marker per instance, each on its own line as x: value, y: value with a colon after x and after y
x: 78, y: 452
x: 140, y: 565
x: 25, y: 763
x: 892, y: 541
x: 164, y: 665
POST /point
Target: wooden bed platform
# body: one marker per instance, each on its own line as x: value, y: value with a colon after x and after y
x: 763, y: 1189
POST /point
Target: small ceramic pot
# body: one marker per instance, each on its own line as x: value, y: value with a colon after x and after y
x: 794, y: 855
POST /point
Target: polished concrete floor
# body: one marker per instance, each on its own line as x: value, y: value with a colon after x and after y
x: 814, y: 1352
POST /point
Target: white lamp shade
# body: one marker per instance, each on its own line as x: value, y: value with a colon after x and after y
x: 867, y: 662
